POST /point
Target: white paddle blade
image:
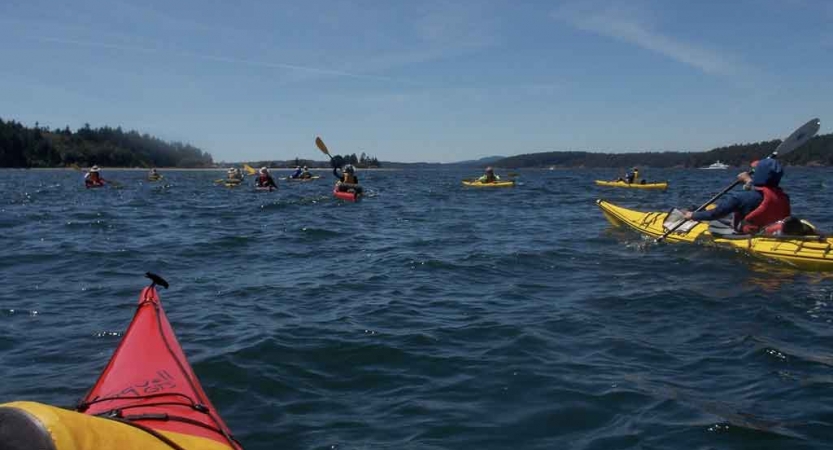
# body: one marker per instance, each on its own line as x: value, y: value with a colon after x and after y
x: 799, y: 137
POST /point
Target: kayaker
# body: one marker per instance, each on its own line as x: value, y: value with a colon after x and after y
x: 305, y: 174
x: 153, y: 174
x: 761, y: 203
x: 489, y: 176
x: 297, y: 173
x: 632, y: 176
x: 93, y: 177
x: 234, y: 175
x: 347, y: 179
x: 264, y: 179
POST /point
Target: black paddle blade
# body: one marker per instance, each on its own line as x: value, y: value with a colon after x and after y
x: 156, y: 279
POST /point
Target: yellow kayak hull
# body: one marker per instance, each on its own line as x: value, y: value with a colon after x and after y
x: 497, y: 184
x: 813, y: 253
x: 35, y: 425
x: 622, y: 184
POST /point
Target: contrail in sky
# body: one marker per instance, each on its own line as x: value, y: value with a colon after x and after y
x: 225, y: 59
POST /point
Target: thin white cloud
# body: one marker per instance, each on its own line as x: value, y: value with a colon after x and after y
x: 623, y: 22
x: 218, y: 58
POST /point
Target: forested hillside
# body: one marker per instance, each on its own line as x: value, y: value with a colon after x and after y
x: 817, y: 152
x: 21, y: 146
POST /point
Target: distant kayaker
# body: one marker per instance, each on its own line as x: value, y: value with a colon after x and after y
x: 347, y: 179
x: 264, y: 179
x: 153, y: 174
x: 761, y: 203
x: 234, y: 175
x: 305, y: 174
x: 297, y: 173
x: 489, y: 176
x: 93, y: 177
x: 632, y: 176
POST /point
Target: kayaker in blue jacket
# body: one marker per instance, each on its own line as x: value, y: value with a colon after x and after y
x: 632, y: 176
x: 761, y: 203
x: 297, y: 172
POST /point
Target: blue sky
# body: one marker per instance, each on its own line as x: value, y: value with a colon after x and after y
x: 421, y: 80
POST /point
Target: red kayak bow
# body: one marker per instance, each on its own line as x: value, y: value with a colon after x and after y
x: 148, y: 382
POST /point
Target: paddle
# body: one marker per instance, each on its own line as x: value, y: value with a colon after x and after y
x: 320, y: 144
x: 798, y: 138
x: 249, y: 169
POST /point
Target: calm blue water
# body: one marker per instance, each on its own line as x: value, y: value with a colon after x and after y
x: 428, y: 316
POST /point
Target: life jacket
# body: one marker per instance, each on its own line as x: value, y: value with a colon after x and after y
x: 349, y: 178
x: 262, y: 179
x: 774, y: 207
x: 93, y: 179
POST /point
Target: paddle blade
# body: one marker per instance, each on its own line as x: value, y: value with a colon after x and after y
x: 320, y: 144
x: 249, y: 169
x: 75, y: 166
x: 798, y: 138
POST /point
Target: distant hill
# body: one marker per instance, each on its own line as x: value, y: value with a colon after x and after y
x: 482, y: 162
x: 817, y: 152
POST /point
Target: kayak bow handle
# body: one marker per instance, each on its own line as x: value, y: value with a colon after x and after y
x: 156, y: 279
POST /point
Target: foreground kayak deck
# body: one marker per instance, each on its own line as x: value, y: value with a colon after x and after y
x: 805, y: 252
x: 496, y: 184
x: 146, y: 395
x: 622, y: 184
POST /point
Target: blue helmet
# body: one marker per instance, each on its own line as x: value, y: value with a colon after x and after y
x: 768, y: 172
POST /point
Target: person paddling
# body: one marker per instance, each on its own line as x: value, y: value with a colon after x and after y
x: 93, y: 178
x: 347, y: 179
x: 305, y: 174
x: 234, y: 175
x: 761, y: 203
x: 632, y: 176
x: 264, y: 179
x: 297, y: 173
x: 489, y: 176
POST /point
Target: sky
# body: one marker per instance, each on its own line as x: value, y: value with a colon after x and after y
x: 421, y: 80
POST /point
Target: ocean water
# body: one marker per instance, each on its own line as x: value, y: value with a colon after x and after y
x: 429, y: 315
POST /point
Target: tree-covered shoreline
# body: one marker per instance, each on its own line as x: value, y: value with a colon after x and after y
x: 35, y: 147
x: 817, y: 152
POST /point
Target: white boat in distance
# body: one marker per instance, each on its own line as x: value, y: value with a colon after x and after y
x: 717, y: 165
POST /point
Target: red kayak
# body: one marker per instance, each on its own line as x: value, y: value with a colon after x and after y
x: 149, y: 383
x: 346, y: 196
x: 92, y: 185
x: 147, y: 398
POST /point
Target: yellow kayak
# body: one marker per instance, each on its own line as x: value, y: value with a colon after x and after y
x: 810, y: 252
x: 496, y: 184
x: 662, y: 185
x: 312, y: 178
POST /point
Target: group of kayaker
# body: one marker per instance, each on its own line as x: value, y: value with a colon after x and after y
x: 761, y: 203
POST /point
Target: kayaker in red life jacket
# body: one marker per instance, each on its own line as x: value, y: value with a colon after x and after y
x: 264, y: 179
x: 347, y: 179
x: 489, y: 176
x: 761, y: 203
x: 93, y: 177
